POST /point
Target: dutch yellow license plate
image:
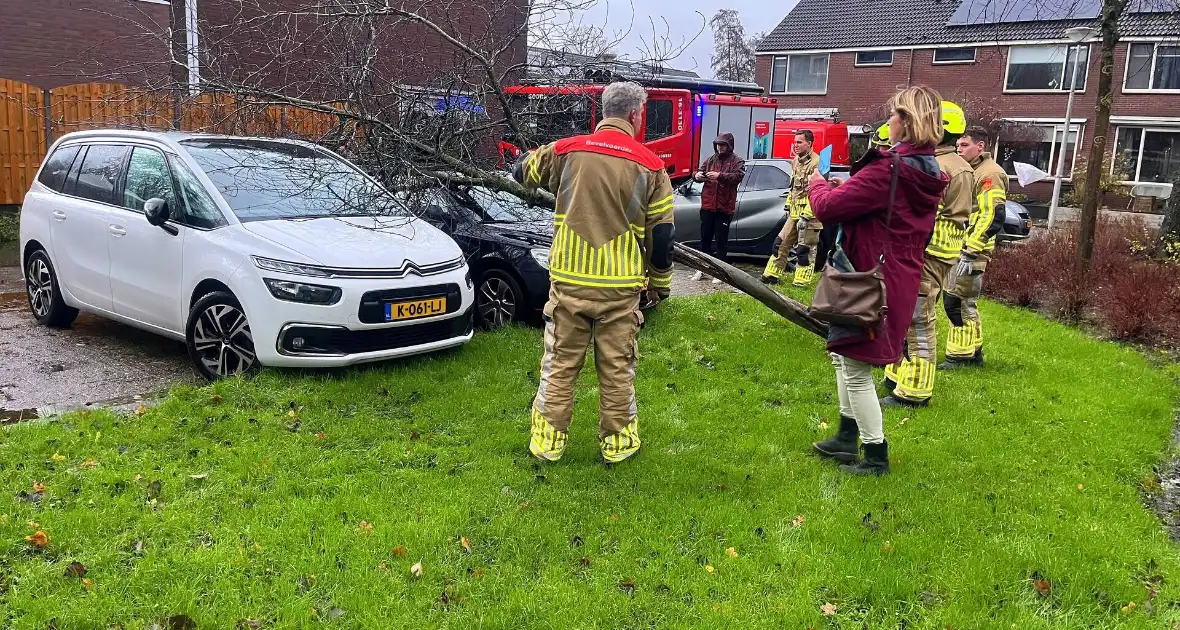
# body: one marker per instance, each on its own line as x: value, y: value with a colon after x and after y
x: 415, y: 309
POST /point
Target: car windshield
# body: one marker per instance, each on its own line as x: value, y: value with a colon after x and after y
x: 493, y: 206
x: 263, y: 180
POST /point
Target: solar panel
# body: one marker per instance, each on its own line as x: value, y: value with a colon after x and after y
x: 983, y: 12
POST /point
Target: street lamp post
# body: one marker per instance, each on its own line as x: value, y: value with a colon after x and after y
x: 1075, y: 35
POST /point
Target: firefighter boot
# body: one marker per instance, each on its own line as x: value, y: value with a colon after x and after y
x: 952, y: 363
x: 772, y: 273
x: 841, y: 446
x: 893, y: 402
x: 624, y: 444
x: 890, y: 380
x: 804, y: 270
x: 875, y: 462
x: 547, y: 444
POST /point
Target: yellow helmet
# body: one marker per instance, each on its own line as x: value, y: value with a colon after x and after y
x: 881, y: 139
x: 954, y: 121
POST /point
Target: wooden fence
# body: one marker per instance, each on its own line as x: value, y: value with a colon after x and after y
x: 28, y: 127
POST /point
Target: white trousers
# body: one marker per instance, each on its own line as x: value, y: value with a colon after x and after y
x: 858, y: 397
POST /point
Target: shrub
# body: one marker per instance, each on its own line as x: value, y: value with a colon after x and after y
x: 1129, y: 295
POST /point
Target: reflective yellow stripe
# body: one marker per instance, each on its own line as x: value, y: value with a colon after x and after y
x: 662, y: 204
x: 661, y: 283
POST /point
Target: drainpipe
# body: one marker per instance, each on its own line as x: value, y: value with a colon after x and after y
x: 909, y: 77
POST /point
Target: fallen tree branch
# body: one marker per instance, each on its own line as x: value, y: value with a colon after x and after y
x: 794, y: 311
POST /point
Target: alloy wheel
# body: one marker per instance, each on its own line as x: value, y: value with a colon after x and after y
x: 222, y: 340
x: 39, y: 282
x: 497, y: 303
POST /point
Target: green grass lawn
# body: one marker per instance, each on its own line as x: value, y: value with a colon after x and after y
x: 1015, y: 501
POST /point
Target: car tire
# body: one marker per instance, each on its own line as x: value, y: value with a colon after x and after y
x: 218, y: 337
x: 499, y: 300
x: 44, y: 293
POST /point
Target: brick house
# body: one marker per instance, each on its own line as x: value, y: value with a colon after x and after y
x: 1011, y: 73
x: 51, y: 43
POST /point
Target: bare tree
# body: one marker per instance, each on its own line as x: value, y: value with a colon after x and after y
x: 733, y: 57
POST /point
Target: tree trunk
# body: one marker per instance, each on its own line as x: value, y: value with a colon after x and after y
x: 1112, y: 10
x: 777, y: 302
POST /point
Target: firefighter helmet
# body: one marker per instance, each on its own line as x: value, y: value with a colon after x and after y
x: 881, y: 138
x: 954, y: 121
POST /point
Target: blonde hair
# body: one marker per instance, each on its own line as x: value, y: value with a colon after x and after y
x: 920, y: 110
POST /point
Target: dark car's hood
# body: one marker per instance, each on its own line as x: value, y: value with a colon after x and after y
x: 528, y: 232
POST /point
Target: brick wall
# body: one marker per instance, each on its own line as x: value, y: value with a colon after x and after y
x: 308, y: 55
x: 51, y: 43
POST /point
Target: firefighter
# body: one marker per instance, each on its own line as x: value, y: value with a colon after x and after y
x: 912, y: 378
x: 964, y: 346
x: 613, y: 236
x: 801, y: 232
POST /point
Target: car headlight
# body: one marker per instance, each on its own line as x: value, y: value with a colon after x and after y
x: 541, y: 256
x: 297, y: 269
x: 302, y: 292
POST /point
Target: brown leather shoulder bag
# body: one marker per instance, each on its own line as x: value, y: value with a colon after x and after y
x: 851, y: 298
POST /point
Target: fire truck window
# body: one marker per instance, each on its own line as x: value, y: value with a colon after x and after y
x: 659, y: 120
x: 549, y: 117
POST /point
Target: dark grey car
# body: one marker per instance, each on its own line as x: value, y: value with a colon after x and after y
x: 759, y: 216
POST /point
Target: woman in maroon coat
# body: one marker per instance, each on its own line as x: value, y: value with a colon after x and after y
x: 860, y: 205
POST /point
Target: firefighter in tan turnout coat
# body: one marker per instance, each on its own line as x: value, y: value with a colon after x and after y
x: 613, y: 238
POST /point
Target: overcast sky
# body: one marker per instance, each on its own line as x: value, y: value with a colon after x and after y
x: 684, y: 20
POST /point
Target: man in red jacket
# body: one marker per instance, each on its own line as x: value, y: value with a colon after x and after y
x: 722, y: 173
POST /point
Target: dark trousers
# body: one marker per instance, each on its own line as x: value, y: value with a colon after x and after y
x: 827, y: 240
x: 715, y: 231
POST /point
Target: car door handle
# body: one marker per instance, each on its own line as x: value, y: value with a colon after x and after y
x: 118, y: 230
x: 58, y: 215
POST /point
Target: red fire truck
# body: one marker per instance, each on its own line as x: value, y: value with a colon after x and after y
x: 823, y: 124
x: 682, y: 118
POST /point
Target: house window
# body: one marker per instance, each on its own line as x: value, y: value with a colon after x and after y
x: 1149, y: 155
x: 1153, y: 67
x: 874, y: 58
x: 1038, y: 145
x: 954, y: 55
x: 800, y: 74
x: 1044, y: 68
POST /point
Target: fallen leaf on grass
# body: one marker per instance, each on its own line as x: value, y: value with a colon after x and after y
x: 823, y: 426
x: 140, y: 410
x: 88, y: 584
x: 366, y: 527
x: 90, y: 463
x: 585, y: 562
x: 475, y: 573
x: 39, y: 539
x: 709, y: 568
x: 614, y: 517
x: 58, y: 457
x: 138, y: 478
x: 466, y: 543
x: 75, y: 569
x: 1081, y: 487
x: 216, y: 398
x: 798, y: 521
x: 335, y: 613
x: 200, y: 476
x: 1128, y: 608
x: 1042, y: 587
x: 904, y: 420
x: 321, y: 436
x: 399, y: 552
x: 888, y: 546
x: 248, y: 624
x: 828, y: 609
x: 416, y: 570
x: 628, y: 586
x: 384, y: 566
x: 731, y: 552
x: 38, y: 487
x: 291, y: 413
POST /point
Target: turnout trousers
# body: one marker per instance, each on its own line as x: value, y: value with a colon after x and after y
x: 914, y: 374
x: 575, y: 318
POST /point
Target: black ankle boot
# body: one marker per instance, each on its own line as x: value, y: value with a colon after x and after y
x: 842, y: 446
x: 953, y: 364
x: 876, y: 461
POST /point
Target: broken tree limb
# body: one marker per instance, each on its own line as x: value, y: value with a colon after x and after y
x: 794, y: 311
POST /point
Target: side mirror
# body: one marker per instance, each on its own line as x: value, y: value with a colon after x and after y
x: 156, y: 211
x: 685, y: 189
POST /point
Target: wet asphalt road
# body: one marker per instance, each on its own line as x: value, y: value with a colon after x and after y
x: 96, y: 362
